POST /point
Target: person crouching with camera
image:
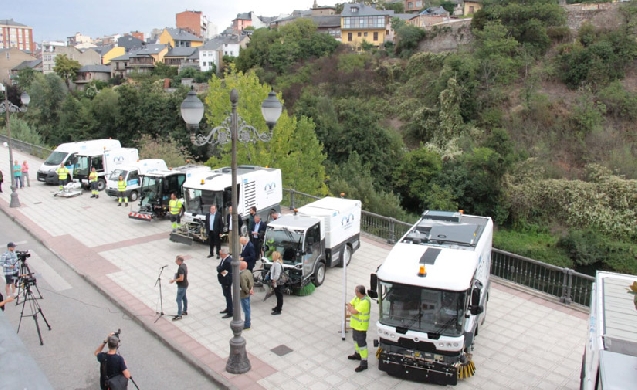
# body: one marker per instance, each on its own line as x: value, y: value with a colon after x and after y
x: 10, y: 267
x: 112, y: 364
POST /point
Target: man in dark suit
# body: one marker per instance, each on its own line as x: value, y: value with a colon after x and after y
x: 230, y: 227
x: 257, y: 234
x: 214, y: 225
x: 224, y: 275
x: 248, y: 253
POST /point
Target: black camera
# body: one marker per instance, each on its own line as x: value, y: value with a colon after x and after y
x: 22, y: 255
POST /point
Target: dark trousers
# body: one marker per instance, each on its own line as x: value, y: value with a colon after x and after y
x: 227, y: 293
x: 251, y: 265
x: 215, y: 242
x: 278, y: 291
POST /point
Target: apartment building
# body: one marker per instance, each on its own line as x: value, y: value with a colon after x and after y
x: 14, y: 34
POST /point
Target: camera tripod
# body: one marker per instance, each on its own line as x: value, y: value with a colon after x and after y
x: 161, y: 299
x: 24, y: 277
x: 28, y: 296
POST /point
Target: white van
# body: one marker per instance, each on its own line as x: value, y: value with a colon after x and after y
x: 131, y: 174
x: 64, y: 153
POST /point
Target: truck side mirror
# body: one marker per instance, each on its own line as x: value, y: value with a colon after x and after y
x: 373, y: 283
x: 475, y: 307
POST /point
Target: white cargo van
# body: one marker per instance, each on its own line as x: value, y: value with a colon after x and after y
x: 131, y: 174
x: 66, y: 152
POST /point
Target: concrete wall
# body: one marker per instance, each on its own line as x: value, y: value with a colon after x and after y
x: 601, y: 15
x: 447, y: 37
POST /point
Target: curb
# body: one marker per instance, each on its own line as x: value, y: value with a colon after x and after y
x: 214, y: 377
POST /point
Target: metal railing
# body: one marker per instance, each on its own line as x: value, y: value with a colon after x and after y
x: 566, y: 284
x: 33, y: 150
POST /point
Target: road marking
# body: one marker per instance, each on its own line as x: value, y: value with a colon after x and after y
x: 42, y: 270
x: 20, y: 242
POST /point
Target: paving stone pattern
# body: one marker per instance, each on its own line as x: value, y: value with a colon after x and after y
x: 527, y: 342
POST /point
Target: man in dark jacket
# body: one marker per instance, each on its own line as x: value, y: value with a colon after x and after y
x: 257, y: 233
x: 248, y: 253
x: 214, y: 225
x: 224, y: 275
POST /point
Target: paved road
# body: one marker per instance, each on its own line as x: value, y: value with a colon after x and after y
x: 80, y: 318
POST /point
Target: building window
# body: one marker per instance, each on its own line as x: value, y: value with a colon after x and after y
x: 365, y: 34
x: 349, y: 37
x: 359, y: 35
x: 410, y: 5
x: 471, y: 9
x: 205, y: 53
x: 375, y: 36
x: 204, y: 64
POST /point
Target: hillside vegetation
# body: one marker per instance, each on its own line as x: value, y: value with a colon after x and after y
x: 532, y: 124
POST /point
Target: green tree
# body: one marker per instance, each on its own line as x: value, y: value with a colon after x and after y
x: 355, y: 180
x: 105, y: 111
x: 21, y: 130
x: 25, y: 78
x: 76, y: 120
x: 66, y: 68
x: 414, y: 175
x: 496, y: 52
x: 47, y: 94
x: 170, y: 150
x: 294, y: 147
x: 164, y: 71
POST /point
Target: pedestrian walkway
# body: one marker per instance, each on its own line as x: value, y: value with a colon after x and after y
x: 527, y: 342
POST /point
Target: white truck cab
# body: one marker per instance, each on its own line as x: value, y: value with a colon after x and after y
x: 432, y: 291
x: 104, y: 161
x: 610, y: 355
x: 65, y: 153
x: 131, y: 174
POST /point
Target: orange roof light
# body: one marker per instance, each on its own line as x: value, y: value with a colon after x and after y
x: 423, y: 271
x: 461, y: 211
x: 203, y: 181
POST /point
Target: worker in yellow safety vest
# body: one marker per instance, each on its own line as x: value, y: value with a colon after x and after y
x: 63, y: 174
x: 92, y: 179
x: 174, y: 209
x: 121, y: 192
x: 359, y: 309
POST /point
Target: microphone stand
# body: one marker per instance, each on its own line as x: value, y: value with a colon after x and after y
x: 161, y: 299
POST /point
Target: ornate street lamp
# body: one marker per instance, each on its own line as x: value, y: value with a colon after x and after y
x: 9, y: 107
x: 232, y: 129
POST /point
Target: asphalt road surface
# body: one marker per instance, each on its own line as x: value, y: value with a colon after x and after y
x: 80, y: 319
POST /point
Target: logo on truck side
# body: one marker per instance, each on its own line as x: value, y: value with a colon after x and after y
x: 347, y: 221
x: 269, y: 188
x: 118, y: 159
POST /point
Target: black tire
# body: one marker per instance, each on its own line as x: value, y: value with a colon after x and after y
x: 133, y: 196
x: 319, y: 274
x: 101, y: 185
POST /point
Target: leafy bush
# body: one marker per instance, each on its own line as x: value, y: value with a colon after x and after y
x: 537, y: 245
x: 589, y: 247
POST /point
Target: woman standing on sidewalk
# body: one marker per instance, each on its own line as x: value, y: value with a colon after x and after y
x: 25, y: 174
x: 17, y: 174
x: 275, y: 271
x: 1, y: 180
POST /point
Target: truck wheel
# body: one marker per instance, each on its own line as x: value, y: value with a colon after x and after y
x: 319, y: 274
x: 101, y: 185
x: 346, y: 257
x: 133, y: 196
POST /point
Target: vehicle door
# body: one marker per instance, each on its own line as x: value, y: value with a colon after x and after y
x: 312, y: 249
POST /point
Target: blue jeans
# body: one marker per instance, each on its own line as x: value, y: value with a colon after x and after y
x: 181, y: 297
x: 245, y: 304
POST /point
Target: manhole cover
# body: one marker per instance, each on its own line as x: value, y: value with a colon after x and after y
x: 281, y: 350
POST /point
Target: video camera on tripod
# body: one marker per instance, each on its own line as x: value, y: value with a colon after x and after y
x: 26, y: 277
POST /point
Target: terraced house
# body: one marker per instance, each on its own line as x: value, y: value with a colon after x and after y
x: 362, y: 23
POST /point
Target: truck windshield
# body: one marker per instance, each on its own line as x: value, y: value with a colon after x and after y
x: 285, y: 241
x: 199, y: 201
x: 82, y: 166
x: 117, y: 173
x: 422, y: 309
x: 151, y: 187
x: 55, y: 158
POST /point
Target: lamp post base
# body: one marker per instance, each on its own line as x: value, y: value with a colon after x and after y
x: 238, y: 362
x: 15, y: 201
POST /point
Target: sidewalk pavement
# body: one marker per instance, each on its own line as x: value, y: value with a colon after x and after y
x: 527, y: 342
